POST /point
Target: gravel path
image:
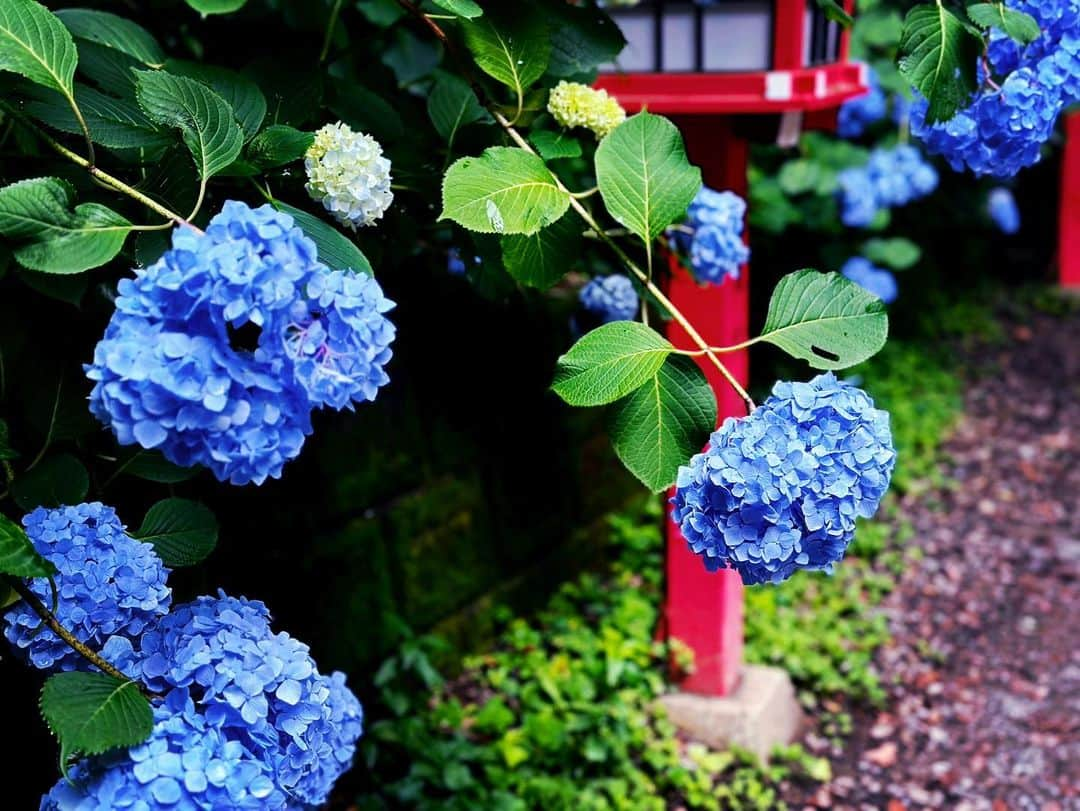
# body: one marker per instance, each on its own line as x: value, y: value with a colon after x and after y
x: 984, y: 673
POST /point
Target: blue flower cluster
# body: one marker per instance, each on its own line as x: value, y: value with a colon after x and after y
x: 187, y: 764
x: 780, y: 490
x: 860, y: 113
x: 110, y: 587
x: 455, y: 265
x: 1001, y: 205
x: 712, y: 235
x: 610, y: 298
x: 270, y: 731
x: 172, y: 371
x: 867, y: 275
x: 1003, y: 128
x: 891, y: 177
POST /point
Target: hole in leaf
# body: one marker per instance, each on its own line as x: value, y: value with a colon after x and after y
x: 245, y: 338
x: 824, y: 353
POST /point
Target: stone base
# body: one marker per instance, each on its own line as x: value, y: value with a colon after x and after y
x: 762, y: 712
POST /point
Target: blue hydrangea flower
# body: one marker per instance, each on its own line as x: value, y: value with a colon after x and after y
x: 712, y: 235
x: 109, y: 585
x: 260, y: 688
x: 611, y: 298
x: 889, y: 179
x: 780, y: 490
x: 455, y: 265
x: 1001, y: 205
x: 173, y: 372
x: 858, y: 114
x: 876, y: 280
x: 188, y: 764
x: 1000, y: 133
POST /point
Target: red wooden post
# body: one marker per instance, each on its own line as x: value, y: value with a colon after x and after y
x: 1069, y: 215
x: 705, y: 609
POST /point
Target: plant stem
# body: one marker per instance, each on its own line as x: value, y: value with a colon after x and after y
x: 642, y: 276
x: 330, y: 25
x: 20, y: 588
x: 98, y: 174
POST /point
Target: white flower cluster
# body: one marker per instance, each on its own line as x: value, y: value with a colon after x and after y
x: 348, y: 174
x: 576, y: 105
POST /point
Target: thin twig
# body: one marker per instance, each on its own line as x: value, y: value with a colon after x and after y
x: 20, y: 588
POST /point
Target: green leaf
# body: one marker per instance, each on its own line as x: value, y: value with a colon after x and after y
x: 58, y: 239
x: 542, y: 259
x: 111, y: 70
x: 207, y: 7
x: 581, y: 40
x: 17, y: 554
x: 55, y: 482
x: 802, y: 175
x: 204, y: 118
x: 897, y: 253
x: 367, y: 111
x: 336, y: 250
x: 92, y: 713
x: 1015, y: 24
x: 835, y: 12
x: 182, y: 532
x: 35, y: 44
x: 241, y: 94
x: 154, y: 467
x: 664, y: 422
x: 938, y: 56
x: 278, y: 145
x: 7, y: 453
x: 113, y: 32
x: 113, y: 122
x: 554, y: 145
x: 644, y: 177
x: 69, y: 287
x: 512, y: 46
x: 504, y: 191
x: 609, y: 363
x: 824, y: 319
x: 462, y: 8
x: 453, y: 105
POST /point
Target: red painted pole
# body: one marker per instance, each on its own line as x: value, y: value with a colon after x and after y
x: 1069, y: 214
x: 704, y: 609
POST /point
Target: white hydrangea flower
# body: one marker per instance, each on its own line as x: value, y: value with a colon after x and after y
x: 348, y: 174
x: 577, y: 105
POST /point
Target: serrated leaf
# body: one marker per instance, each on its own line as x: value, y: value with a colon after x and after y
x: 336, y: 250
x: 512, y: 46
x: 207, y: 7
x: 204, y: 118
x: 938, y: 56
x: 93, y: 713
x: 824, y: 319
x: 504, y: 191
x: 554, y: 145
x: 182, y: 532
x: 278, y: 145
x: 35, y: 44
x: 897, y: 253
x: 609, y: 363
x: 113, y: 32
x: 113, y: 122
x: 111, y: 70
x: 661, y: 425
x: 643, y: 174
x: 581, y: 40
x: 56, y: 237
x: 462, y: 8
x: 453, y: 105
x: 1015, y: 24
x: 542, y: 259
x: 367, y: 111
x: 241, y: 94
x: 53, y: 482
x: 17, y: 554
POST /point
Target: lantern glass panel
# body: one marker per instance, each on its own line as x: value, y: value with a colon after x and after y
x: 679, y: 37
x: 738, y: 36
